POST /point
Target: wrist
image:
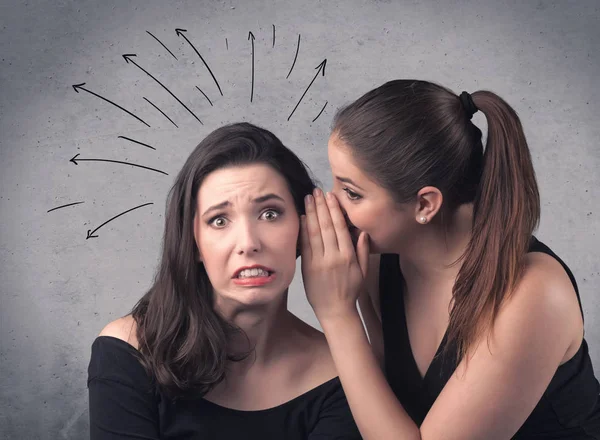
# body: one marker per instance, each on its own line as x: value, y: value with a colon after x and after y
x: 342, y: 318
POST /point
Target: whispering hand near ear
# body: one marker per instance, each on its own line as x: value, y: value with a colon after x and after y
x: 333, y: 272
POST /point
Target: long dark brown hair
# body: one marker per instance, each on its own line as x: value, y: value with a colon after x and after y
x: 408, y: 134
x: 183, y: 341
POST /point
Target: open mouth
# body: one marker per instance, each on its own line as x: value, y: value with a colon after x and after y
x: 254, y: 273
x: 254, y: 276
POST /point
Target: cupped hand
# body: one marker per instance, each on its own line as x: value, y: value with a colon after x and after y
x: 333, y: 272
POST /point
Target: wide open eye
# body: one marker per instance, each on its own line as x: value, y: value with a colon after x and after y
x: 270, y: 214
x: 218, y: 221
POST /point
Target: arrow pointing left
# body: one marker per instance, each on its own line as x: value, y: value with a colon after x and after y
x: 77, y: 87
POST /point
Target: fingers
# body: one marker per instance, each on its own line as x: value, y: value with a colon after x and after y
x: 362, y: 253
x: 313, y: 229
x: 328, y: 234
x: 344, y: 240
x: 304, y: 239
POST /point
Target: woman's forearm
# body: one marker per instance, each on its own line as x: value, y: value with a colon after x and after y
x: 376, y: 410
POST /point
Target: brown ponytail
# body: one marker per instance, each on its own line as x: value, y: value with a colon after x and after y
x: 506, y: 212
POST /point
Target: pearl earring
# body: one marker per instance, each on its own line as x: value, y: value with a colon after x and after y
x: 423, y: 220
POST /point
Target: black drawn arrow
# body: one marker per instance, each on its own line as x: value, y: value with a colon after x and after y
x: 207, y: 98
x: 136, y: 142
x: 161, y: 44
x: 295, y: 58
x: 129, y: 59
x: 64, y: 206
x: 273, y: 35
x: 180, y: 32
x: 320, y: 68
x: 75, y: 160
x: 317, y: 117
x: 251, y: 36
x: 90, y: 233
x: 163, y: 113
x: 76, y: 87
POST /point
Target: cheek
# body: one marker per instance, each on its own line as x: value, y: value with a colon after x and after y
x: 284, y: 242
x: 359, y: 214
x: 214, y: 251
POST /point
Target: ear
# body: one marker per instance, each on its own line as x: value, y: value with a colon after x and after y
x: 429, y: 203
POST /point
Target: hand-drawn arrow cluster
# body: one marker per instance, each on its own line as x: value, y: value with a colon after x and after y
x: 131, y: 59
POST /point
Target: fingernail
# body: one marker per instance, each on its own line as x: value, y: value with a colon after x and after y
x: 328, y: 195
x: 318, y: 192
x: 308, y: 198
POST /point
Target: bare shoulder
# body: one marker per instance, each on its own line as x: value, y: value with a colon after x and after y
x: 545, y: 284
x: 124, y: 328
x: 544, y: 298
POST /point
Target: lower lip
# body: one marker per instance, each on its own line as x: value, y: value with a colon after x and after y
x: 254, y: 281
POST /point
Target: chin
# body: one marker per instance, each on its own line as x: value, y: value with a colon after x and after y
x: 259, y: 296
x: 375, y: 247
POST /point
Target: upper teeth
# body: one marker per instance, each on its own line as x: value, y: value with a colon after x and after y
x: 253, y: 273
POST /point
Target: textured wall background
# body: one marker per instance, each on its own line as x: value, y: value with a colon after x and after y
x: 58, y: 289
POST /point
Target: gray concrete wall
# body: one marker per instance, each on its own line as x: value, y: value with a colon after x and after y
x: 57, y: 289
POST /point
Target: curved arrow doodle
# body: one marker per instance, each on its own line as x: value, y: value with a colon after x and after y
x: 76, y: 87
x: 90, y: 233
x: 295, y: 58
x: 180, y: 33
x: 64, y: 206
x: 251, y: 37
x: 317, y: 117
x: 75, y: 160
x: 320, y: 68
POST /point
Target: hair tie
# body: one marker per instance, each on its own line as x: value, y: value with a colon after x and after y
x: 468, y: 104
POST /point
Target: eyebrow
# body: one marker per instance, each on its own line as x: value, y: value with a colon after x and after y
x: 347, y: 180
x: 257, y: 200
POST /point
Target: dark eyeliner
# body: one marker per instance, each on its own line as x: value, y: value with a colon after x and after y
x: 353, y: 196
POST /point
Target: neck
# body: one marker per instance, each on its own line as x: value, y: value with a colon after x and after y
x: 264, y: 329
x: 434, y: 253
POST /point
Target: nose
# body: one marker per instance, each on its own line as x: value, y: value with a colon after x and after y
x: 248, y: 239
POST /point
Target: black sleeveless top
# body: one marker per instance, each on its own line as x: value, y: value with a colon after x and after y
x: 125, y: 404
x: 568, y: 409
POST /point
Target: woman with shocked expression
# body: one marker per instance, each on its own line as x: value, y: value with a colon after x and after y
x: 245, y: 229
x: 211, y: 351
